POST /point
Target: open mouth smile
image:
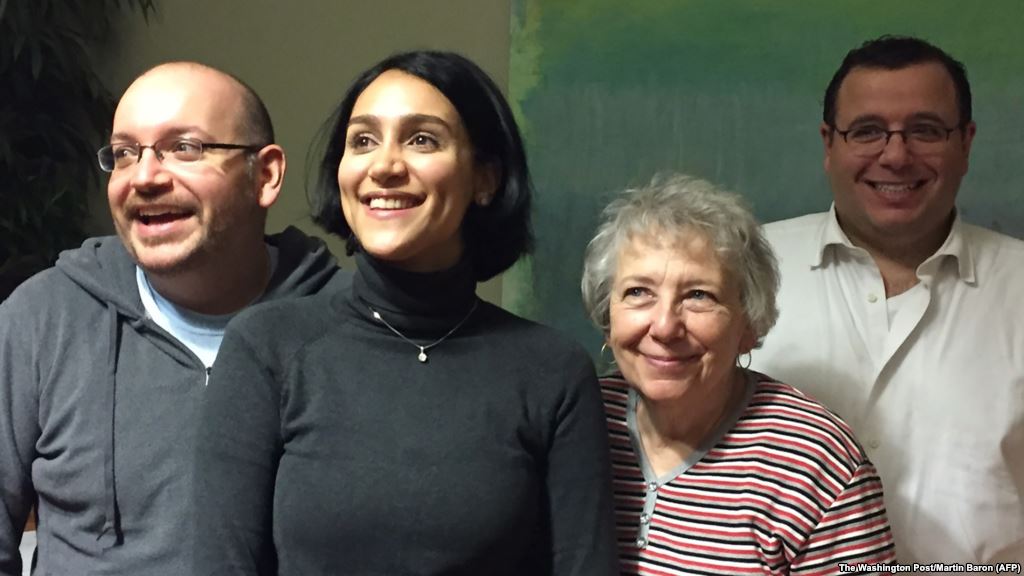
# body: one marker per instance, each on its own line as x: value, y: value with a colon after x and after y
x: 152, y: 216
x: 895, y: 187
x: 895, y: 191
x: 391, y: 201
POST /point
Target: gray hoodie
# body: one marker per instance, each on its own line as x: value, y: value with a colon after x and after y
x: 98, y: 409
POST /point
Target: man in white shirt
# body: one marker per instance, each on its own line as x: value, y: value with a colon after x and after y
x: 904, y: 319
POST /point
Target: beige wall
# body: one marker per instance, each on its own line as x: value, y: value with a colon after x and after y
x: 300, y: 56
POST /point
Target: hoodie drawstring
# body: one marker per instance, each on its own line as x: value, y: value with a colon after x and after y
x: 111, y: 534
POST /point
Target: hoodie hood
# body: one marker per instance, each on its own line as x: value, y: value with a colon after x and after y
x: 305, y: 266
x: 104, y: 269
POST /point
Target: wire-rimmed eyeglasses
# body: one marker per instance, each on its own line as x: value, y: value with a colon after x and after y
x: 922, y: 138
x: 121, y: 155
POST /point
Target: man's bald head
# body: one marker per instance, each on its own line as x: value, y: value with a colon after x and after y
x: 254, y: 124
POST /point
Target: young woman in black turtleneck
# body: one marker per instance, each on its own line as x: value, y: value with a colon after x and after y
x: 405, y: 426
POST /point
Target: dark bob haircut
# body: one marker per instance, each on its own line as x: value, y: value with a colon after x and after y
x: 496, y: 235
x: 895, y: 53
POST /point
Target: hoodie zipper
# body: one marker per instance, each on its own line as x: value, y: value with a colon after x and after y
x: 159, y: 331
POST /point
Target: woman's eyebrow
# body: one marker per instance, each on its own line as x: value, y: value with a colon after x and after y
x: 373, y: 120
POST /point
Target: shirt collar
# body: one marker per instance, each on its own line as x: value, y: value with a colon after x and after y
x: 955, y: 246
x: 830, y: 234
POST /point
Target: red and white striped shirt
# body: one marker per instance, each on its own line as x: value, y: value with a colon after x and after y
x: 784, y: 489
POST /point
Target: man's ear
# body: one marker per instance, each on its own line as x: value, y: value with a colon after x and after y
x: 968, y: 138
x: 827, y: 135
x: 270, y: 168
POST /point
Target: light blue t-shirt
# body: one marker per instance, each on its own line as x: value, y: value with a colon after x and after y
x: 201, y: 333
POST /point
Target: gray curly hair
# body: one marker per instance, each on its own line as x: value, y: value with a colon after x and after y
x: 668, y: 210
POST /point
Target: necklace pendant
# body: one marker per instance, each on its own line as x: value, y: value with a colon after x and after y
x: 422, y: 356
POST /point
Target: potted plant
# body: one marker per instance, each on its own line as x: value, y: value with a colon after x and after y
x: 54, y: 114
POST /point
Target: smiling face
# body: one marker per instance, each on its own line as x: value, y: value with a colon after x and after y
x: 408, y: 174
x: 173, y: 217
x: 676, y: 321
x: 896, y: 198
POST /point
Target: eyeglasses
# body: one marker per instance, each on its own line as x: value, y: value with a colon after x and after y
x: 871, y: 139
x: 121, y: 155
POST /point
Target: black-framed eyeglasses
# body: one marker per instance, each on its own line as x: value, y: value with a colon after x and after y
x: 121, y: 155
x: 920, y: 138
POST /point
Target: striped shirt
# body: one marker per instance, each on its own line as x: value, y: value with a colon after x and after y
x: 781, y: 488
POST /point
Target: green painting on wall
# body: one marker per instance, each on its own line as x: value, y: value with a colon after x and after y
x: 609, y: 93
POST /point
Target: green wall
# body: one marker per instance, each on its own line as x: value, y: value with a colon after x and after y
x: 609, y: 93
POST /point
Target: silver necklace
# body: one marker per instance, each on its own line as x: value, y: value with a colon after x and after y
x: 422, y: 356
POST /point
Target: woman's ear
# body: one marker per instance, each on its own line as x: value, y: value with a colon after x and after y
x: 485, y: 184
x: 747, y: 341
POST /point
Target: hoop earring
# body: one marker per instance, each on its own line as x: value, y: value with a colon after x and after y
x: 604, y: 348
x: 739, y: 360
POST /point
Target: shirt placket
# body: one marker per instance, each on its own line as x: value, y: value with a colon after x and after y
x: 647, y: 514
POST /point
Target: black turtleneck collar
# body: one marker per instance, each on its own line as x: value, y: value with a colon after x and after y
x: 414, y: 301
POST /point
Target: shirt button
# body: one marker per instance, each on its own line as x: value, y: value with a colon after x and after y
x: 652, y: 487
x: 874, y: 444
x: 641, y: 542
x: 645, y: 518
x: 872, y: 298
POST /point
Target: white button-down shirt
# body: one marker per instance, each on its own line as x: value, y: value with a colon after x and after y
x: 932, y: 381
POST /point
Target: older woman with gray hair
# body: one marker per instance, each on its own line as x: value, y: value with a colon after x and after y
x: 718, y: 469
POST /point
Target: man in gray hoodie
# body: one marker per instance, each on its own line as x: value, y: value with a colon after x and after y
x: 104, y: 357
